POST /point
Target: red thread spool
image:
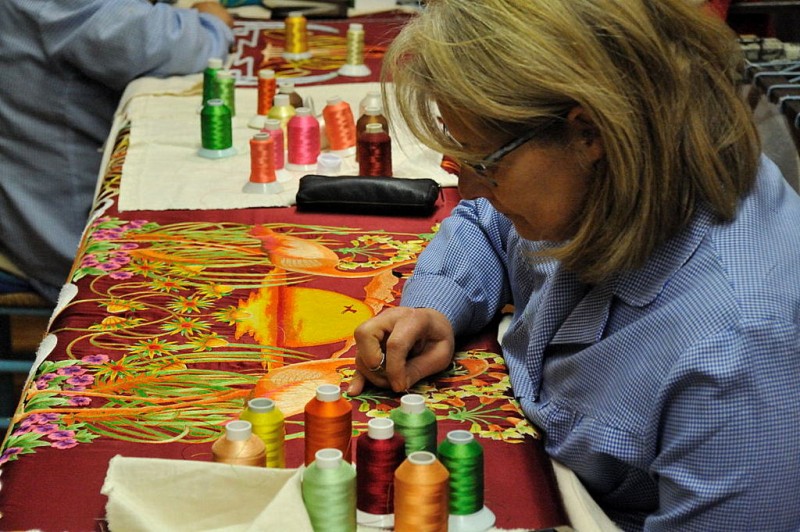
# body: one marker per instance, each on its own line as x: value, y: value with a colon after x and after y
x: 421, y: 494
x: 303, y: 136
x: 262, y: 158
x: 379, y: 453
x: 340, y: 126
x: 328, y: 423
x: 372, y: 115
x: 273, y: 127
x: 267, y: 86
x: 375, y: 152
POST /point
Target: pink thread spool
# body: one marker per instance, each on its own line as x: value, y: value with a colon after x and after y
x: 273, y: 127
x: 303, y: 136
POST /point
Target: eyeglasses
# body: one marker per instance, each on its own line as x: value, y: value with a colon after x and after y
x: 482, y: 167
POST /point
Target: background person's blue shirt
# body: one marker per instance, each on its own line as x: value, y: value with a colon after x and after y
x: 64, y: 66
x: 673, y: 391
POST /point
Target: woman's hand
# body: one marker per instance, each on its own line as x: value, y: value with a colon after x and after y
x: 216, y: 9
x: 400, y: 346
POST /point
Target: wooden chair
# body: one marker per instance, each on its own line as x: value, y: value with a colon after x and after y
x: 11, y: 362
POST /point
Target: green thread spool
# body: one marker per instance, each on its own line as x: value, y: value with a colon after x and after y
x: 329, y: 492
x: 209, y: 79
x: 463, y: 458
x: 216, y: 130
x: 225, y: 89
x: 268, y: 424
x: 416, y: 423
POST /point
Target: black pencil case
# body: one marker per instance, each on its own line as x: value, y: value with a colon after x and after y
x: 391, y: 196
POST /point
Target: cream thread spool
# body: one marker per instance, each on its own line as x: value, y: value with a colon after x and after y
x: 239, y: 446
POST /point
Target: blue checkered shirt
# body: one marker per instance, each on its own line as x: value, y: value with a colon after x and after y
x: 672, y: 391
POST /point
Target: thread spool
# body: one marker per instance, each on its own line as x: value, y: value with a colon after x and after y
x: 262, y: 166
x: 375, y: 152
x: 267, y: 87
x: 340, y: 126
x: 239, y: 446
x: 354, y: 66
x: 329, y: 492
x: 216, y: 131
x: 463, y: 458
x: 226, y: 89
x: 303, y: 141
x: 295, y: 100
x: 268, y: 424
x: 329, y: 164
x: 420, y: 494
x: 379, y: 453
x: 282, y: 110
x: 273, y: 127
x: 372, y: 114
x: 209, y: 79
x: 372, y: 99
x: 328, y: 423
x: 416, y: 423
x: 296, y: 45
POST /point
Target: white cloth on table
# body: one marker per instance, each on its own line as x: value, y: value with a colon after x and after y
x: 163, y: 170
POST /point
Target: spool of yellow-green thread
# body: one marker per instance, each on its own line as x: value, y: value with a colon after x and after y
x: 268, y: 424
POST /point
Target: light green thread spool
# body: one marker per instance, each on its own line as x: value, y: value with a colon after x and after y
x: 225, y: 89
x: 268, y: 424
x: 416, y: 423
x: 329, y: 492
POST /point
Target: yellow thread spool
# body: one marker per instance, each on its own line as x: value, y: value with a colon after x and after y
x: 268, y: 424
x: 296, y: 46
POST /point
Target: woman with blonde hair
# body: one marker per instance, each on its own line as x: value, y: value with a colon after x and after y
x: 615, y: 194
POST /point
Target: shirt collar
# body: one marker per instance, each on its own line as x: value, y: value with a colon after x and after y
x: 641, y: 286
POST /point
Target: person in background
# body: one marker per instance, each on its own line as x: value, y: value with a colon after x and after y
x: 65, y: 64
x: 615, y: 194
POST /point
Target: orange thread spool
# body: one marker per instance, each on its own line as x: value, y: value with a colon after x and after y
x: 340, y: 126
x: 267, y: 86
x: 262, y: 158
x: 328, y: 423
x: 239, y: 446
x: 421, y: 496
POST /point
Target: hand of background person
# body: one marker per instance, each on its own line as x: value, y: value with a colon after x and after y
x: 418, y: 342
x: 216, y: 9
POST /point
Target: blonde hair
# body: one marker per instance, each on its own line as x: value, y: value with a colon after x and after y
x: 658, y: 78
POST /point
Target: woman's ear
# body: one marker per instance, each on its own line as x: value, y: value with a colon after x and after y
x: 587, y: 135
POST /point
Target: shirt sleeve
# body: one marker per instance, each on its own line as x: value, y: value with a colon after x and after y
x: 116, y: 42
x: 463, y: 271
x: 729, y: 438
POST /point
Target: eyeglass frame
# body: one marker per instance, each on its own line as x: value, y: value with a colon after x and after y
x: 482, y: 167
